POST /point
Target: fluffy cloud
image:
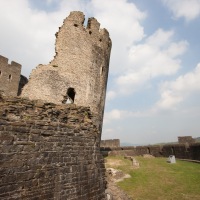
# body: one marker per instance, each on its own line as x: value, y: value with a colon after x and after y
x: 157, y: 56
x: 117, y: 114
x: 189, y: 9
x: 123, y: 22
x: 112, y: 115
x: 110, y: 95
x: 174, y: 92
x: 27, y: 34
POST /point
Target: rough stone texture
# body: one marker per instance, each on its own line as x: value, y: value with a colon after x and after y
x: 49, y: 152
x: 81, y: 63
x: 186, y: 140
x: 9, y: 76
x: 110, y: 143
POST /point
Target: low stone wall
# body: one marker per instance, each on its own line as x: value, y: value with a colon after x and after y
x: 49, y: 152
x: 182, y: 151
x: 191, y: 152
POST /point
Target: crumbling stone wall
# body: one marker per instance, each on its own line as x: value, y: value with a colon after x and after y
x: 49, y: 152
x: 110, y: 143
x: 79, y: 69
x: 9, y: 76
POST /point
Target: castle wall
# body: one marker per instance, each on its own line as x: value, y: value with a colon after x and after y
x: 81, y: 63
x: 185, y: 140
x: 110, y: 143
x: 49, y: 152
x: 9, y: 76
x: 182, y: 151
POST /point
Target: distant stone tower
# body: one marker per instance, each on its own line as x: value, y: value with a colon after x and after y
x: 9, y: 77
x: 78, y: 73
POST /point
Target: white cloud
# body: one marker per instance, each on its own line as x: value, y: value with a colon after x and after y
x: 157, y: 56
x: 189, y: 9
x: 112, y: 115
x: 117, y: 114
x: 174, y: 92
x: 110, y: 95
x: 27, y: 34
x: 122, y: 18
x: 109, y: 133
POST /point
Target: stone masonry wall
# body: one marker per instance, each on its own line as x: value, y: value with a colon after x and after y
x: 49, y: 152
x: 186, y: 140
x: 110, y: 143
x: 9, y: 76
x: 81, y: 64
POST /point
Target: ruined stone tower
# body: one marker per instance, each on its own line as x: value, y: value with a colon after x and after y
x: 9, y: 77
x: 78, y: 73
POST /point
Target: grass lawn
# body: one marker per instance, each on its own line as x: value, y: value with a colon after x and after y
x: 158, y: 180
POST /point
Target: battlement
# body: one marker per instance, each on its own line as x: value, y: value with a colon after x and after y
x: 9, y: 76
x: 77, y: 19
x: 73, y: 27
x: 4, y: 61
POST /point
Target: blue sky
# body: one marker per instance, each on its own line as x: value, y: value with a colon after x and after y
x: 154, y: 81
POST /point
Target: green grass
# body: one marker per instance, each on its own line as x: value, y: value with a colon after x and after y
x: 158, y: 180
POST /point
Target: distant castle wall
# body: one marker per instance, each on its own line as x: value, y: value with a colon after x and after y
x: 185, y: 140
x: 79, y: 70
x: 9, y: 76
x: 182, y: 151
x: 110, y: 143
x: 49, y: 152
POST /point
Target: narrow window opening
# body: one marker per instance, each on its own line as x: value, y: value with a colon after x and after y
x: 90, y: 32
x: 76, y: 25
x: 69, y: 97
x: 102, y: 70
x: 9, y: 77
x: 0, y: 73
